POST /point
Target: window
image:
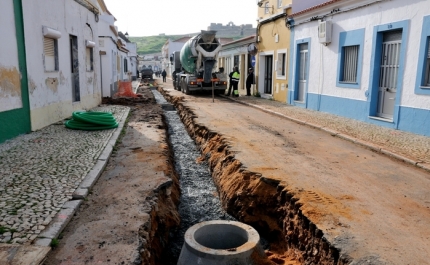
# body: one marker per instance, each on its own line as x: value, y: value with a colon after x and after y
x: 350, y: 54
x: 50, y: 52
x: 281, y: 64
x: 236, y: 60
x: 279, y: 3
x: 350, y: 61
x: 90, y: 59
x: 266, y: 8
x: 125, y: 66
x: 427, y: 72
x: 422, y: 83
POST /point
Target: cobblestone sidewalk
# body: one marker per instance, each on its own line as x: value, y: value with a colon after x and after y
x: 415, y: 148
x: 40, y: 171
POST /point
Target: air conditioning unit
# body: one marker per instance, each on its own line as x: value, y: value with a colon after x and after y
x: 324, y: 31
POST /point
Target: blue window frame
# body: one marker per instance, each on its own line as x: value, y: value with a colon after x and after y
x: 350, y: 59
x: 422, y: 86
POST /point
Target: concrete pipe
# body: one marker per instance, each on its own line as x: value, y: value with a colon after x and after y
x: 221, y: 243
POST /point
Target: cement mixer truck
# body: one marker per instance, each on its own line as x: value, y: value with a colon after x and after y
x: 195, y: 66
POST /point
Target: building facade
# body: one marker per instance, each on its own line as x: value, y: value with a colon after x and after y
x: 61, y: 50
x: 273, y: 43
x: 108, y: 51
x: 168, y: 48
x: 235, y: 53
x: 367, y: 60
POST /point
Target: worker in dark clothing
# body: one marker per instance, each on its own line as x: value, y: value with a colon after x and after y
x: 164, y: 75
x: 249, y: 81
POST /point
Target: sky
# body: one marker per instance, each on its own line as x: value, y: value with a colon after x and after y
x: 175, y: 17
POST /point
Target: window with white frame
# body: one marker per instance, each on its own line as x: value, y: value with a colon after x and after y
x: 50, y: 53
x: 89, y: 59
x: 279, y: 3
x: 266, y: 8
x: 281, y: 64
x: 350, y: 64
x: 427, y: 72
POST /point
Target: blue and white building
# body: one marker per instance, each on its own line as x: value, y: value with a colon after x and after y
x: 367, y: 60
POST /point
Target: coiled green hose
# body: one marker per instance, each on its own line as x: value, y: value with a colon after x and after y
x: 91, y: 121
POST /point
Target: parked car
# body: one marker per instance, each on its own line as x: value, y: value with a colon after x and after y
x: 146, y: 73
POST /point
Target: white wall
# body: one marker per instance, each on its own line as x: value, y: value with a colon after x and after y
x: 323, y: 59
x: 10, y: 82
x: 51, y: 92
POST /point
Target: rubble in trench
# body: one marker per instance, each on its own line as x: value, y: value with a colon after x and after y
x: 260, y: 202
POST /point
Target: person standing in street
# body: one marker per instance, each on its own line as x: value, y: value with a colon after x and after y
x: 249, y: 81
x: 235, y: 78
x: 230, y: 84
x: 164, y: 76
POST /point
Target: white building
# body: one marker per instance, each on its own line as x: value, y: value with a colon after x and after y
x: 107, y: 42
x: 235, y: 53
x: 61, y: 51
x: 365, y: 59
x: 167, y: 50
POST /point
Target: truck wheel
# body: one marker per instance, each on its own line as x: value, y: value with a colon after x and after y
x: 183, y: 85
x: 187, y: 91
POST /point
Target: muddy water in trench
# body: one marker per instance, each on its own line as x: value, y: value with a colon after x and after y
x: 199, y: 198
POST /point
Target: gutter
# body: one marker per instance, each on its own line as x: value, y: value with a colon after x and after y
x: 270, y: 19
x: 321, y: 17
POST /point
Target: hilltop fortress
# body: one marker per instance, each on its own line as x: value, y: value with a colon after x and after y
x: 231, y: 30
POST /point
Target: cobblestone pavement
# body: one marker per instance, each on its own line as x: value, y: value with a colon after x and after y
x: 40, y: 171
x: 414, y: 147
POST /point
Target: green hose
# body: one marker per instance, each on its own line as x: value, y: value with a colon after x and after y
x: 91, y: 121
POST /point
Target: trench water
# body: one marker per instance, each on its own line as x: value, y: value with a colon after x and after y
x: 199, y: 199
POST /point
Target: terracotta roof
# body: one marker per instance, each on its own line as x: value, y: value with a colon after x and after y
x: 314, y: 7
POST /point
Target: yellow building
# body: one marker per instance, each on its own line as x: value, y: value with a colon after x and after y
x: 273, y: 41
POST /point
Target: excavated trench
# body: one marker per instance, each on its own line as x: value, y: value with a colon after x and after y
x: 247, y: 196
x: 199, y: 199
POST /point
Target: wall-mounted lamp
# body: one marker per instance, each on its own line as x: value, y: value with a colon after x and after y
x: 260, y: 5
x: 288, y: 22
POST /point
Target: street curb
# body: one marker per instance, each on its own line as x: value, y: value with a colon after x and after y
x: 335, y: 133
x: 63, y: 217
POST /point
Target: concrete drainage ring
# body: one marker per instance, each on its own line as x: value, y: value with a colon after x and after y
x: 220, y: 242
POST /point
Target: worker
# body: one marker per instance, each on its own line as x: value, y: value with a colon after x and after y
x: 164, y: 75
x: 235, y: 78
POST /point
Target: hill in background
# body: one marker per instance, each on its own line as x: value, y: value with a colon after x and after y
x: 152, y: 44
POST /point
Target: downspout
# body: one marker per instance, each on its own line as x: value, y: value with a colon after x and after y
x: 321, y: 79
x: 101, y: 72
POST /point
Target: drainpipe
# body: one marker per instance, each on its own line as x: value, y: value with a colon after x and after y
x: 101, y: 72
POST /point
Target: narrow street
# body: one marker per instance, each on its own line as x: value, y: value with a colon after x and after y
x: 315, y: 197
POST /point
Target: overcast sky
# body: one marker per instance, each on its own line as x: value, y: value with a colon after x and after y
x: 152, y: 17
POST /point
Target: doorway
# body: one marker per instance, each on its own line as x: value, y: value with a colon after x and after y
x: 74, y: 59
x: 268, y: 74
x: 303, y: 76
x: 389, y: 71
